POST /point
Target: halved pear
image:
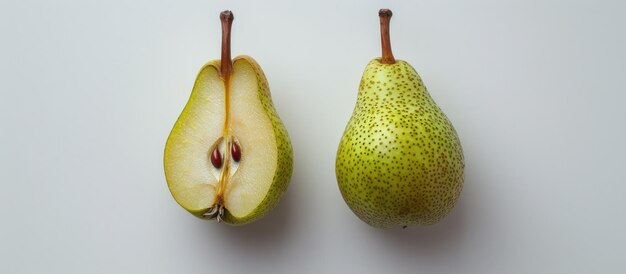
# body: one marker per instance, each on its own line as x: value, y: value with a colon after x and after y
x: 229, y: 156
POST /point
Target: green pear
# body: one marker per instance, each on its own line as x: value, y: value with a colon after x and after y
x: 400, y: 160
x: 228, y: 156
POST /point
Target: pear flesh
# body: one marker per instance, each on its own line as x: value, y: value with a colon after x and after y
x: 400, y: 161
x: 229, y: 156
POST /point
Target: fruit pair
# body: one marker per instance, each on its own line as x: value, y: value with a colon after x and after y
x: 229, y: 156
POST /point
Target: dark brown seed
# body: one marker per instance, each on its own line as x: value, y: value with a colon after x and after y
x: 236, y: 152
x: 216, y: 158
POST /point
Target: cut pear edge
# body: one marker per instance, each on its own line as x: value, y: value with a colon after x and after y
x: 186, y: 161
x: 250, y: 122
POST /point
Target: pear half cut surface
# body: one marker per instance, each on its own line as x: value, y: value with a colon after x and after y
x: 399, y: 161
x: 229, y: 156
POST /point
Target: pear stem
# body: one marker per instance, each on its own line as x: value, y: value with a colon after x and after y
x: 385, y: 18
x: 226, y: 66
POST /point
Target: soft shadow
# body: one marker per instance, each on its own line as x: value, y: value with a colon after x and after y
x: 446, y: 237
x: 271, y: 229
x: 448, y: 231
x: 263, y: 237
x: 427, y: 240
x: 442, y: 240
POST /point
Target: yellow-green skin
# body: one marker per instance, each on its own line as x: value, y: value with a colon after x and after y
x: 400, y: 160
x: 285, y: 152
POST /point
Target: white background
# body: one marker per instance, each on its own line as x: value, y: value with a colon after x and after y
x: 91, y: 89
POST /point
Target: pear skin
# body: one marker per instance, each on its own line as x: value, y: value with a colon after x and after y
x: 399, y: 161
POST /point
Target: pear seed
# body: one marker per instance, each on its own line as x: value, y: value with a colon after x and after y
x: 235, y: 151
x: 216, y: 158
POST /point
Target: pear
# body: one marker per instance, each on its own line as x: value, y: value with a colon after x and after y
x: 400, y: 161
x: 228, y: 156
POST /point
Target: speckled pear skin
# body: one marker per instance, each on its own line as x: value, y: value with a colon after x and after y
x: 400, y: 161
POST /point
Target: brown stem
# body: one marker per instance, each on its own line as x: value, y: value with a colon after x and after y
x: 385, y: 17
x: 227, y: 63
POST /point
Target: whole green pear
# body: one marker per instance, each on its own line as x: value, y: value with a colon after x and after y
x: 400, y: 161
